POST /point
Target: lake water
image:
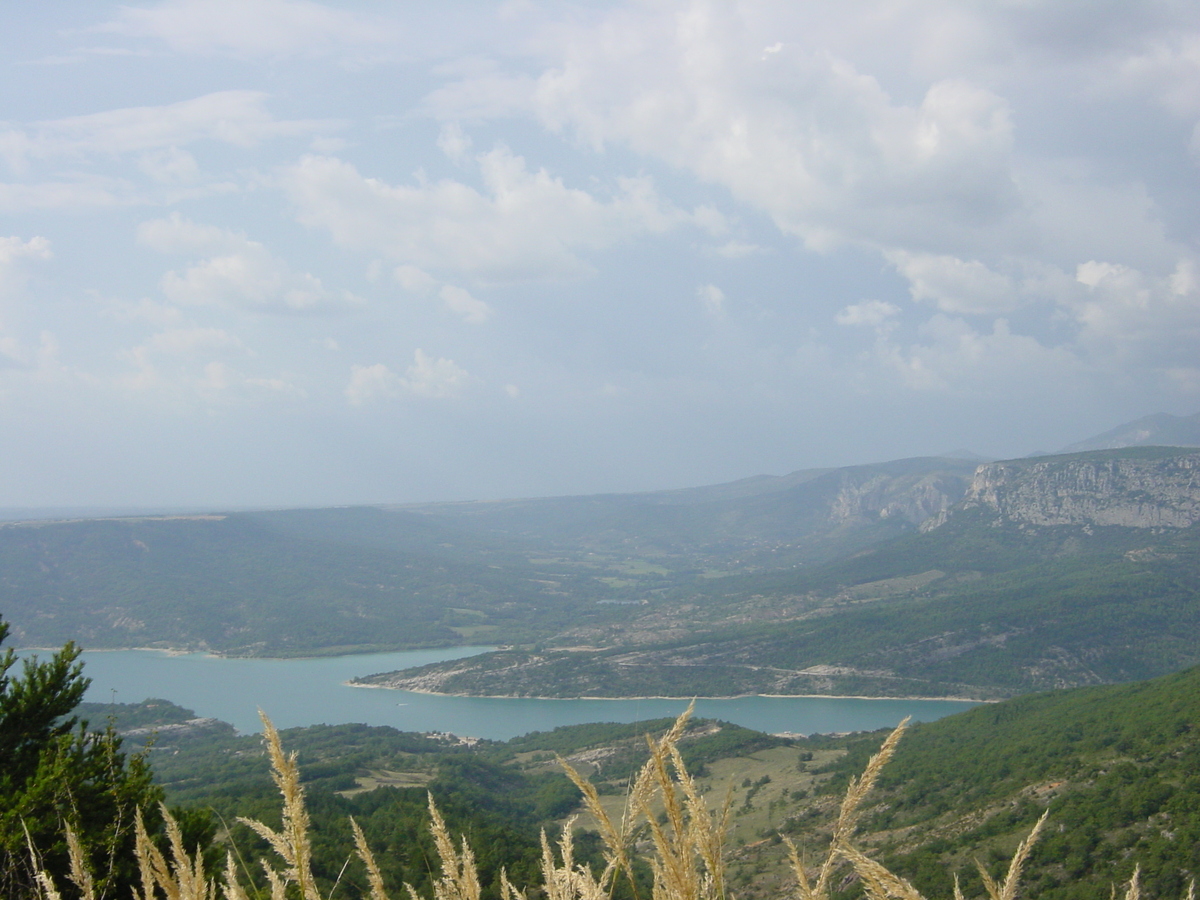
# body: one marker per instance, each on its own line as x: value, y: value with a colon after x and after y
x: 297, y: 692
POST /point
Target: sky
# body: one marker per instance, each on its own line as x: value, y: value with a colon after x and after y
x: 285, y: 253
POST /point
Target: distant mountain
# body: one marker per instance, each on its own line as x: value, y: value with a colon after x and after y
x: 1053, y: 572
x: 352, y: 579
x: 917, y: 577
x: 1137, y: 487
x: 1161, y: 429
x: 810, y: 515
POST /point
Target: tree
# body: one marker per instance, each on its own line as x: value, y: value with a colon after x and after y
x: 55, y: 772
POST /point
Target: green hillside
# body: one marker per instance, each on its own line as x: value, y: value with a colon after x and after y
x: 234, y: 584
x: 1116, y: 766
x: 969, y: 609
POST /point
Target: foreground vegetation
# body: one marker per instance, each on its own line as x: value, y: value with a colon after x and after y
x: 664, y: 807
x: 1115, y: 766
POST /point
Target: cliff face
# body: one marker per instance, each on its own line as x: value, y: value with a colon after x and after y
x: 1137, y: 490
x: 913, y: 498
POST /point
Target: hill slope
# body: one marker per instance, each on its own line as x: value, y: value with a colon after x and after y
x: 1162, y: 429
x: 1023, y: 587
x: 357, y: 579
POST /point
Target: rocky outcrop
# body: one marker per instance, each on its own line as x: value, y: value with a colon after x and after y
x: 913, y: 499
x: 1135, y: 489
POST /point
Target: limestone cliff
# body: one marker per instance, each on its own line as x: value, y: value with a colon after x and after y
x: 912, y: 498
x: 1144, y: 488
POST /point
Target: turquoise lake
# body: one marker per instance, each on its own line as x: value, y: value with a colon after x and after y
x: 296, y: 692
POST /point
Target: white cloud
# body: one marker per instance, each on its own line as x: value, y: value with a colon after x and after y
x: 872, y: 313
x: 460, y: 302
x: 221, y: 382
x: 1168, y: 69
x: 454, y: 143
x: 192, y: 340
x: 523, y: 225
x: 1130, y: 316
x: 190, y: 363
x: 414, y: 280
x: 13, y: 249
x: 427, y: 377
x: 176, y: 234
x: 955, y: 285
x: 369, y: 383
x: 13, y: 253
x: 60, y: 195
x: 236, y: 117
x: 954, y: 358
x: 739, y: 250
x: 250, y: 27
x: 32, y: 362
x: 170, y: 166
x: 456, y: 299
x: 237, y: 271
x: 804, y: 136
x: 712, y: 300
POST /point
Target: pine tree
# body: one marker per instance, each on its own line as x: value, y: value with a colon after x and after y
x: 55, y: 772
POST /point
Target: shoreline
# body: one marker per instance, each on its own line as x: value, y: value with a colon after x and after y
x: 219, y: 654
x: 176, y: 651
x: 384, y: 687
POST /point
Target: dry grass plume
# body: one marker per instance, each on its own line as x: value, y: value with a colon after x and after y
x: 663, y: 805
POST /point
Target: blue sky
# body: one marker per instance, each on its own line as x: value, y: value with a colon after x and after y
x: 279, y: 252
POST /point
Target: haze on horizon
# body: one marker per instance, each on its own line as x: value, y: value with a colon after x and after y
x: 281, y: 252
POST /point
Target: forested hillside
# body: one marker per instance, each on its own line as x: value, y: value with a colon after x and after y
x: 973, y: 608
x: 1115, y: 766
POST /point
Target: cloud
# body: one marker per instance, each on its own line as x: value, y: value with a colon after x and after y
x: 31, y: 362
x: 427, y: 377
x: 1167, y: 68
x: 871, y: 313
x: 14, y: 252
x: 899, y: 134
x: 523, y: 225
x: 170, y: 166
x: 955, y: 359
x: 1130, y: 316
x: 803, y: 135
x: 369, y: 383
x: 955, y: 285
x: 456, y: 299
x: 454, y: 143
x: 190, y: 363
x: 61, y: 195
x: 739, y: 250
x: 712, y: 300
x: 13, y: 249
x: 460, y: 302
x: 415, y: 280
x: 237, y: 117
x: 191, y: 340
x: 250, y: 28
x: 236, y: 270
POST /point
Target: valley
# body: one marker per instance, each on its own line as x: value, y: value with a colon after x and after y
x: 916, y: 578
